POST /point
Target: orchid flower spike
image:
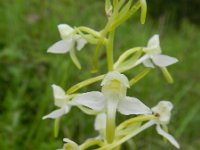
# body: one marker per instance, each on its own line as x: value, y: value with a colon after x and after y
x: 153, y: 54
x: 112, y: 98
x: 70, y: 40
x: 61, y: 100
x: 162, y: 111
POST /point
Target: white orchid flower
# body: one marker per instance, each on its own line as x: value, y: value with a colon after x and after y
x: 61, y: 100
x: 153, y: 55
x: 112, y: 98
x: 162, y: 111
x: 70, y: 40
x: 70, y: 145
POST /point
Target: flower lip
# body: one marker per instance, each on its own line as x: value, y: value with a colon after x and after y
x: 114, y: 79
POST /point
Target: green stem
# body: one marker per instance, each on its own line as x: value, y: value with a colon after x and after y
x: 100, y: 77
x: 125, y: 55
x: 75, y: 60
x: 90, y: 31
x: 167, y: 75
x: 109, y: 50
x: 140, y: 76
x: 124, y: 18
x: 137, y: 131
x: 143, y: 11
x: 115, y: 3
x: 91, y: 142
x: 130, y: 63
x: 56, y: 127
x: 98, y: 47
x: 135, y: 120
x: 125, y: 138
x: 84, y: 83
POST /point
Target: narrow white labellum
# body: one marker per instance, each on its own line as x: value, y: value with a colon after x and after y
x: 169, y: 137
x: 55, y: 114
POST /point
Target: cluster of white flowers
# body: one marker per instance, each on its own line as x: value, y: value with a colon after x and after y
x: 113, y: 97
x: 104, y: 104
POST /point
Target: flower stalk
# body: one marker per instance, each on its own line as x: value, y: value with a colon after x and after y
x: 109, y: 50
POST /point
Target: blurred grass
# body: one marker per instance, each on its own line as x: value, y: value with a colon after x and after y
x: 28, y: 28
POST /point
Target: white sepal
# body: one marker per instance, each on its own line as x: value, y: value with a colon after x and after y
x: 61, y: 47
x: 132, y: 105
x: 164, y: 60
x: 154, y: 44
x: 55, y: 114
x: 60, y: 98
x: 93, y: 100
x: 65, y: 30
x: 80, y: 42
x: 148, y: 63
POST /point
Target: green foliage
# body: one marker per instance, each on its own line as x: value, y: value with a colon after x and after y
x: 175, y: 10
x: 27, y: 28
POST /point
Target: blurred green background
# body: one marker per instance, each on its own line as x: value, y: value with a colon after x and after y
x: 29, y: 27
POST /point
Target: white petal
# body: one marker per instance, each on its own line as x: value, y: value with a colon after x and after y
x: 169, y: 137
x: 161, y: 106
x: 57, y: 91
x: 94, y: 100
x: 100, y: 122
x: 141, y: 59
x: 154, y: 41
x: 148, y: 63
x: 153, y: 46
x: 61, y: 47
x: 60, y: 98
x: 67, y: 108
x: 65, y: 30
x: 132, y: 105
x: 55, y: 114
x: 80, y: 42
x: 164, y: 60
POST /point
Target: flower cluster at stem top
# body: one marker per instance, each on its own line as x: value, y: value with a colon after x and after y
x: 112, y: 98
